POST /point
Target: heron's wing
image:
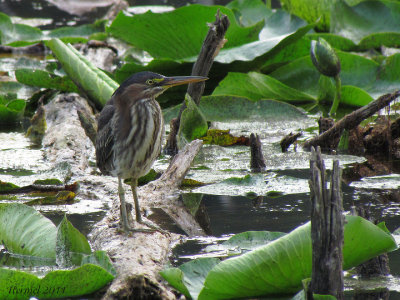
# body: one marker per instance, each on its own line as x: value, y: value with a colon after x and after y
x: 105, y: 140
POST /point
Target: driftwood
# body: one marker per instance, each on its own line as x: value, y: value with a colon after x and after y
x: 326, y: 230
x: 137, y: 258
x: 257, y: 162
x: 350, y: 121
x: 213, y: 42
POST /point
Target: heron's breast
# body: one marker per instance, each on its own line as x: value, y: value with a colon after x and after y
x: 139, y: 146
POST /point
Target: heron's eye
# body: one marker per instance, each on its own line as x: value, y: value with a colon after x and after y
x: 150, y: 81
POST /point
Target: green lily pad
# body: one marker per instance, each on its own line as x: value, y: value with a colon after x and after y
x: 258, y: 86
x: 45, y: 79
x: 11, y: 111
x: 77, y: 34
x: 193, y: 125
x: 56, y: 284
x: 249, y: 12
x: 69, y: 241
x: 17, y: 34
x: 288, y: 261
x: 232, y: 108
x: 245, y: 241
x: 180, y: 33
x: 25, y: 231
x: 371, y: 24
x: 189, y: 277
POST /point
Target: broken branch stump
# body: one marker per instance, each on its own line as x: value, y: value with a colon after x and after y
x: 213, y: 42
x: 326, y: 229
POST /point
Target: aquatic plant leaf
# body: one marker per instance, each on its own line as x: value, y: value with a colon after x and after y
x: 76, y: 34
x: 223, y: 138
x: 96, y: 84
x: 189, y: 277
x: 56, y: 284
x: 232, y: 108
x: 7, y: 186
x: 11, y: 111
x: 249, y: 12
x: 17, y: 34
x: 256, y: 86
x: 180, y: 33
x: 25, y: 231
x: 70, y: 241
x: 245, y: 241
x: 310, y: 11
x: 280, y: 266
x: 101, y: 259
x: 279, y: 32
x: 193, y: 124
x: 371, y: 24
x: 45, y: 79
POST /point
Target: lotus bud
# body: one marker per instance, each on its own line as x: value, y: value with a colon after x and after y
x: 325, y: 58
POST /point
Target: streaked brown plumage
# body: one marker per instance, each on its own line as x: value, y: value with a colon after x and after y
x: 130, y: 131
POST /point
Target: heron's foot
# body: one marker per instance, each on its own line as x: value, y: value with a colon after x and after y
x: 126, y: 228
x: 152, y: 227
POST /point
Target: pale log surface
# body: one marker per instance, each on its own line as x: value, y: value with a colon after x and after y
x: 137, y: 258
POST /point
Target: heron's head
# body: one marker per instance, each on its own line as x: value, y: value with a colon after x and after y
x: 145, y: 85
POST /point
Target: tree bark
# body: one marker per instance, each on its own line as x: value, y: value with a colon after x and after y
x: 326, y: 229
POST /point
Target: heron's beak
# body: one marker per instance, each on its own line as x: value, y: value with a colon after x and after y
x: 179, y: 80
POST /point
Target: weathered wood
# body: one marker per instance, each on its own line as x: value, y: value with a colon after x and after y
x: 137, y: 258
x: 213, y: 42
x: 326, y: 229
x: 289, y: 140
x: 257, y: 162
x: 351, y: 120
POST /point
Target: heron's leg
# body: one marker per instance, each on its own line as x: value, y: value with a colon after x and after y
x: 137, y: 210
x: 124, y: 215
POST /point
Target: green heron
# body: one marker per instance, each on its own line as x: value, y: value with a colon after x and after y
x: 130, y: 131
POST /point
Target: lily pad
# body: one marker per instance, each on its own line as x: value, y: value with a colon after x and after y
x: 258, y: 86
x: 245, y: 241
x: 25, y: 231
x: 180, y: 33
x: 17, y: 34
x: 288, y: 261
x: 311, y: 11
x: 189, y: 277
x: 45, y: 79
x: 224, y: 108
x: 249, y: 12
x: 56, y: 284
x: 371, y: 24
x: 193, y: 125
x: 69, y: 241
x: 11, y: 111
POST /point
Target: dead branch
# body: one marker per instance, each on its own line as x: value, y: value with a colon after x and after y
x: 213, y: 42
x: 351, y: 120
